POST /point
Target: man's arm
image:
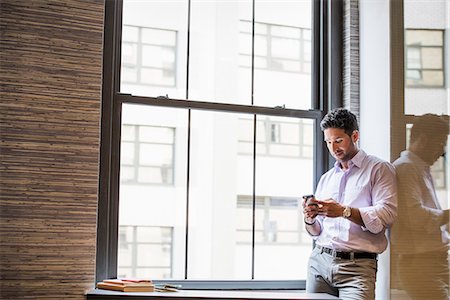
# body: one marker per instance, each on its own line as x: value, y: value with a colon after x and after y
x: 383, y: 211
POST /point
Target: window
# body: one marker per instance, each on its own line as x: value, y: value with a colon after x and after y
x: 424, y: 58
x: 145, y: 251
x: 148, y: 56
x: 275, y: 137
x: 278, y: 48
x: 201, y: 173
x: 147, y: 154
x: 278, y: 222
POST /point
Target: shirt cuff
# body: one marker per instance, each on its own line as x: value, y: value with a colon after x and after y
x: 371, y: 220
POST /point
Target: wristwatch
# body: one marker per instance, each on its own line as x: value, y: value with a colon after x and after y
x: 347, y: 212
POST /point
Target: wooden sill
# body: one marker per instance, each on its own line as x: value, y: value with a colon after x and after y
x: 97, y: 294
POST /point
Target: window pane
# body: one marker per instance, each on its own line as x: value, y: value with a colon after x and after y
x: 156, y: 134
x: 154, y: 39
x: 218, y: 175
x: 215, y: 70
x: 426, y: 58
x: 158, y: 37
x: 155, y: 154
x: 414, y: 234
x: 130, y: 34
x: 286, y: 48
x: 424, y: 37
x: 285, y: 77
x: 154, y: 203
x: 127, y: 153
x: 282, y: 176
x: 432, y: 58
x: 158, y: 57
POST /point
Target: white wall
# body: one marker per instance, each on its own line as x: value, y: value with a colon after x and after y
x: 375, y: 98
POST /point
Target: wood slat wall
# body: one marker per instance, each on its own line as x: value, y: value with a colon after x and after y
x: 50, y: 92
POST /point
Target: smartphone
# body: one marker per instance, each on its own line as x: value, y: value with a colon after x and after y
x: 309, y: 199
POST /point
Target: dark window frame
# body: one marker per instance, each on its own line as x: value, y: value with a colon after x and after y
x: 326, y: 94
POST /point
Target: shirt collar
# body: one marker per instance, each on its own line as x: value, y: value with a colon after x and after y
x: 357, y: 160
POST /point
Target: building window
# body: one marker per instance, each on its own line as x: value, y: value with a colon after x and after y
x: 277, y: 47
x: 145, y: 252
x: 147, y: 154
x: 424, y: 58
x: 278, y: 221
x: 149, y: 56
x: 286, y: 138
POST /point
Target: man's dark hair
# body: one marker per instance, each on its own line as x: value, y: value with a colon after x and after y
x: 430, y: 125
x: 340, y: 118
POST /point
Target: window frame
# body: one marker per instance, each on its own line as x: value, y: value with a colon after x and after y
x: 326, y: 94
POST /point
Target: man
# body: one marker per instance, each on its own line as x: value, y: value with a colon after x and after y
x: 420, y: 235
x: 358, y: 201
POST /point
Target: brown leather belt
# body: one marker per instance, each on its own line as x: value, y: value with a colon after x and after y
x: 347, y: 255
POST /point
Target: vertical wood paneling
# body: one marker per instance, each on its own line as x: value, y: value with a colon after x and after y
x: 351, y: 56
x: 50, y: 88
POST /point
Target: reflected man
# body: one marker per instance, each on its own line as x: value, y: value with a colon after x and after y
x: 420, y: 235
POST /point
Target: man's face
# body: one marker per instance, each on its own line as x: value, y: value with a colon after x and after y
x: 435, y: 148
x: 341, y: 146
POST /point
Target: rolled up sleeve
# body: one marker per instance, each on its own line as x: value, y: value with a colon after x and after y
x: 383, y: 211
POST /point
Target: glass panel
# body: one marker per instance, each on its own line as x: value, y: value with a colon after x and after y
x: 155, y: 154
x: 154, y: 203
x: 219, y: 175
x: 424, y: 37
x: 283, y: 174
x: 425, y: 60
x: 432, y: 58
x: 220, y: 51
x: 286, y: 48
x: 156, y: 134
x: 283, y: 78
x: 419, y: 238
x: 154, y: 34
x: 127, y: 154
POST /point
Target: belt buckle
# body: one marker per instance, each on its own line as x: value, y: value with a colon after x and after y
x: 352, y: 255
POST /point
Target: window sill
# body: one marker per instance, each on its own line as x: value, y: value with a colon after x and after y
x: 97, y: 294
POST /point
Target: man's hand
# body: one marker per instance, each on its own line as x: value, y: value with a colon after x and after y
x: 332, y: 209
x: 329, y: 208
x: 310, y: 208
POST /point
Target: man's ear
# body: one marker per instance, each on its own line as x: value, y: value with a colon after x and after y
x: 355, y: 136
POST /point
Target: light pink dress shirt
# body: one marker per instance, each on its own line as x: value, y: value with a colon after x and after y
x: 370, y: 185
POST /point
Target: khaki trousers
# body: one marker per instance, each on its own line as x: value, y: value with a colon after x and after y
x: 345, y: 278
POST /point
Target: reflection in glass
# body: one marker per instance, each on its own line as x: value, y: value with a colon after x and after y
x: 420, y: 236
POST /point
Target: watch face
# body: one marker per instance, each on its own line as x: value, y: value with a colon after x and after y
x: 347, y: 212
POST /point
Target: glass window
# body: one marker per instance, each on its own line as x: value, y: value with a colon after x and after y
x: 145, y: 251
x: 147, y: 154
x: 280, y: 137
x: 148, y: 57
x: 424, y: 58
x: 213, y: 140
